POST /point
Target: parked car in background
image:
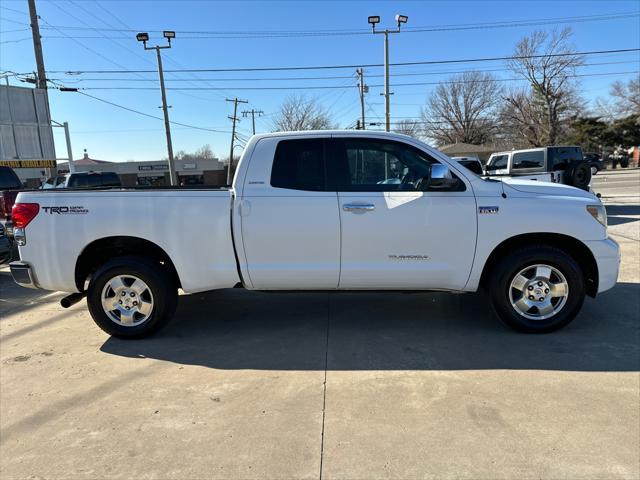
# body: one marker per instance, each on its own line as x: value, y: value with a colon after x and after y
x: 595, y: 161
x: 83, y: 180
x: 472, y: 163
x: 316, y: 210
x: 549, y: 164
x: 5, y: 246
x: 10, y: 185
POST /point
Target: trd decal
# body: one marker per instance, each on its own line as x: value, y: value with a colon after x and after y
x: 66, y: 210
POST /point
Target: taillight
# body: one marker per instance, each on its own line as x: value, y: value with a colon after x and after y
x: 23, y: 213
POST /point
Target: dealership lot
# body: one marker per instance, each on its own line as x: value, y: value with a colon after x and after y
x: 254, y: 385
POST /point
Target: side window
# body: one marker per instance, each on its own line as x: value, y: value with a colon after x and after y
x: 524, y: 160
x: 498, y: 162
x: 371, y: 165
x: 299, y: 165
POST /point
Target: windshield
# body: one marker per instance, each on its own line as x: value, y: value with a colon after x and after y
x: 8, y: 179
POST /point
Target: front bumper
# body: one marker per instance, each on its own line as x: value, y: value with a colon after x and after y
x: 23, y: 274
x: 607, y: 255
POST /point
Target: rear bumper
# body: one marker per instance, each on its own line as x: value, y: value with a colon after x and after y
x: 607, y: 255
x: 23, y: 274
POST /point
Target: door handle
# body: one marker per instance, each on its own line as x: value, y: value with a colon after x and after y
x: 358, y: 207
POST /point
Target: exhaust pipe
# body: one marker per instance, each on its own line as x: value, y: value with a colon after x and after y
x: 72, y: 299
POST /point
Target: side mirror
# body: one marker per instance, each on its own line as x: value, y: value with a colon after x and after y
x: 441, y: 178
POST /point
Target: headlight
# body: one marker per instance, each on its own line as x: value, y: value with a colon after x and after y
x: 599, y: 213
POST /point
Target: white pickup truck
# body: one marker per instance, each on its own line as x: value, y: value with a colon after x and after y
x: 327, y: 210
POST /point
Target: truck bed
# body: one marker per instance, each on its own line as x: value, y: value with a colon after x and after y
x: 192, y: 225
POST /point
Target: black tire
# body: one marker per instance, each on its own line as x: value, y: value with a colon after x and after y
x: 161, y: 285
x: 578, y: 174
x: 516, y: 261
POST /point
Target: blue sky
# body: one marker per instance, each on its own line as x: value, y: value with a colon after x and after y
x: 114, y: 134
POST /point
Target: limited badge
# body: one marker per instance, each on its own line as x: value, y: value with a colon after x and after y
x: 488, y: 210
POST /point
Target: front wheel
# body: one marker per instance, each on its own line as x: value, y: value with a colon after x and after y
x: 131, y: 297
x: 537, y: 289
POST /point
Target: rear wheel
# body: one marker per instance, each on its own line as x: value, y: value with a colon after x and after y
x: 131, y: 297
x: 537, y: 289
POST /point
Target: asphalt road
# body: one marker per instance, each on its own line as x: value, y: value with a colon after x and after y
x: 345, y: 386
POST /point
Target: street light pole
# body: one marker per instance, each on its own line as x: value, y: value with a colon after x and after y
x: 72, y: 167
x: 167, y: 127
x: 373, y: 20
x: 144, y: 37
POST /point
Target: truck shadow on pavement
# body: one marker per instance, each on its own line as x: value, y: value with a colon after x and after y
x: 236, y: 329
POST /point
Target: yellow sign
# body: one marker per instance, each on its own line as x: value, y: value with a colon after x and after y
x: 28, y: 163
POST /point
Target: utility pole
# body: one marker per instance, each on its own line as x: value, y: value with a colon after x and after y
x: 234, y: 119
x: 253, y: 116
x: 400, y: 19
x: 72, y: 167
x: 144, y: 37
x: 41, y: 81
x: 362, y: 88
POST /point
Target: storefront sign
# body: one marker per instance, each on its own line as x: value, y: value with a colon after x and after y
x: 28, y: 163
x: 147, y: 168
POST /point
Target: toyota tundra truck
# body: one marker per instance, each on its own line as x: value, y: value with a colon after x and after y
x: 321, y: 211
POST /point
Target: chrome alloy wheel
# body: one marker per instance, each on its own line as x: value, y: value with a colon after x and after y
x: 538, y: 292
x: 127, y: 300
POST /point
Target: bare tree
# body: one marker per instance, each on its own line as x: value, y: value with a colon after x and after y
x: 300, y: 113
x: 626, y: 97
x: 408, y: 127
x: 548, y: 62
x: 462, y: 109
x: 202, y: 153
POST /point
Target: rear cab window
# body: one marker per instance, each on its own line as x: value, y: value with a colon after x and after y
x: 299, y: 164
x: 561, y: 157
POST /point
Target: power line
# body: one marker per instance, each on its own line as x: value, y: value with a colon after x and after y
x: 132, y: 110
x: 339, y: 87
x: 352, y: 66
x: 330, y: 77
x: 257, y: 34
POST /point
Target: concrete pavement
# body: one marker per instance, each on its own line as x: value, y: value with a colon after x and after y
x: 344, y: 386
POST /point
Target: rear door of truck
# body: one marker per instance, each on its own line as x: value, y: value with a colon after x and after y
x: 290, y: 226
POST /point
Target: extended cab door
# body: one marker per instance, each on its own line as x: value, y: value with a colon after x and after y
x: 290, y: 225
x: 396, y: 233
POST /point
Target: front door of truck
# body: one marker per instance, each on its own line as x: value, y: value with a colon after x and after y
x: 396, y: 233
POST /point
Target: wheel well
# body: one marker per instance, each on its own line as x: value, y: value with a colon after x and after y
x: 98, y: 252
x: 571, y: 246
